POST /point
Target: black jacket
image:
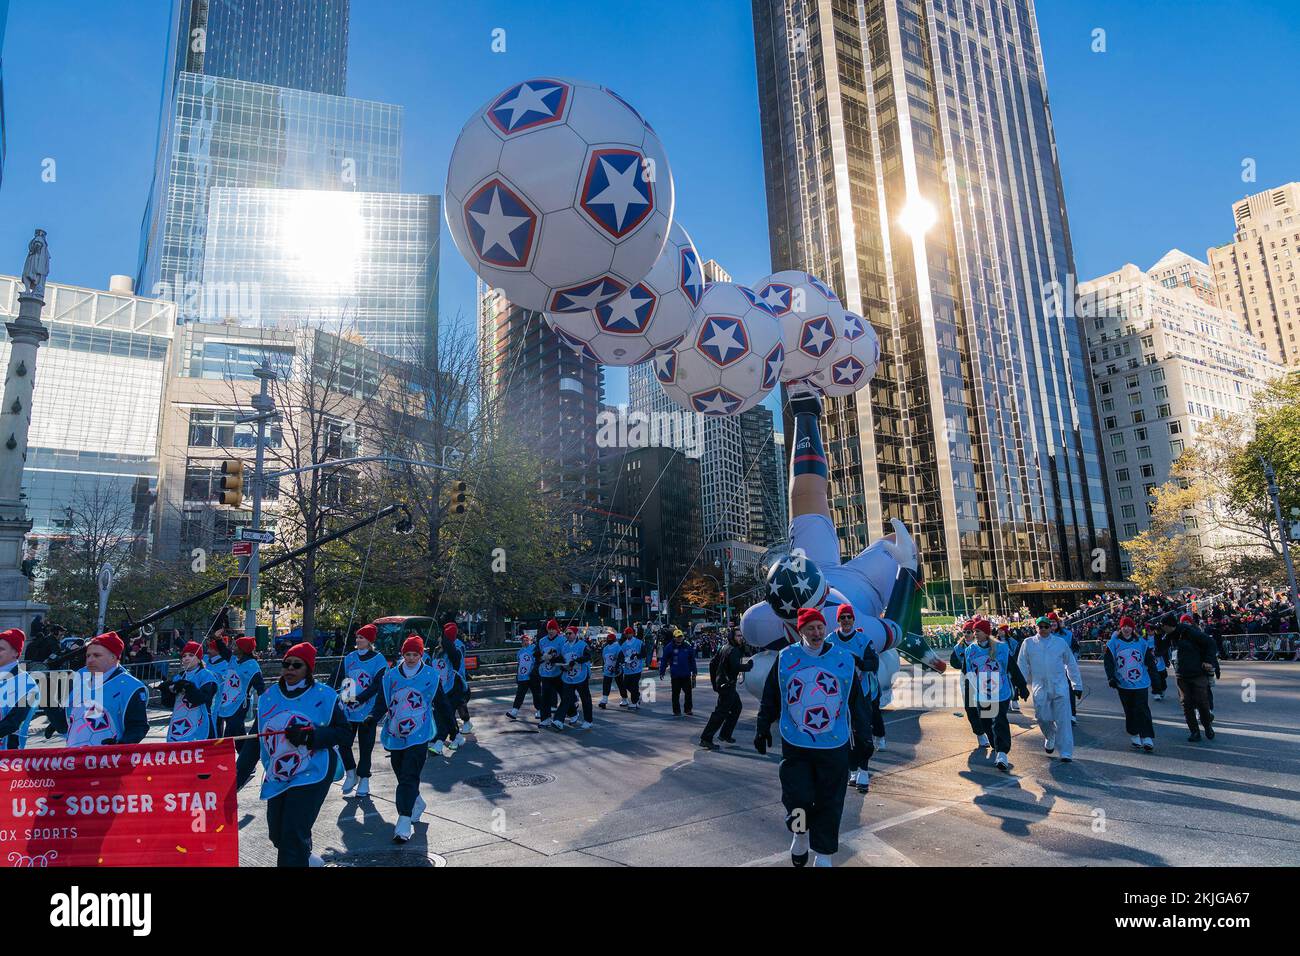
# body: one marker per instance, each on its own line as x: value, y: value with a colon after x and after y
x: 1195, y: 648
x: 727, y: 666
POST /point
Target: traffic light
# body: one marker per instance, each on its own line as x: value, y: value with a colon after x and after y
x: 232, y: 483
x: 459, y: 497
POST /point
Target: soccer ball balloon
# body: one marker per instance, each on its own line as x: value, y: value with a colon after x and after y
x: 812, y: 320
x: 856, y: 361
x: 732, y: 358
x: 654, y: 314
x: 559, y: 194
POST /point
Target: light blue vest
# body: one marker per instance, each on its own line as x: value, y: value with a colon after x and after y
x: 409, y: 721
x: 18, y: 687
x: 527, y: 655
x: 446, y: 674
x: 95, y: 716
x: 191, y: 723
x: 575, y: 671
x: 609, y: 654
x: 460, y: 671
x: 1130, y: 657
x: 549, y: 643
x: 989, y: 673
x: 216, y: 664
x: 235, y: 682
x: 286, y: 765
x: 815, y: 696
x: 632, y: 660
x: 362, y: 674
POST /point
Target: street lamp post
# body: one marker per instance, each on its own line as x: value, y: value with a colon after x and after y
x: 1283, y: 534
x: 264, y: 409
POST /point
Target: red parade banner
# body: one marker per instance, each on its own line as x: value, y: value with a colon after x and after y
x: 135, y: 805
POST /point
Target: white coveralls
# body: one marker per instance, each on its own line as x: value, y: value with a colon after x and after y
x: 1052, y: 674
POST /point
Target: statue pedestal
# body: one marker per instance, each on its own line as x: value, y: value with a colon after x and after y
x: 16, y: 607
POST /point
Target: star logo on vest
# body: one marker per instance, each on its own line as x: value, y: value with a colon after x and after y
x: 286, y: 765
x: 828, y: 683
x: 528, y: 105
x: 501, y: 225
x: 793, y: 690
x: 181, y: 726
x: 816, y: 719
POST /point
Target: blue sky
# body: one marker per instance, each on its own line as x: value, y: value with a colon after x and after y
x: 1152, y: 133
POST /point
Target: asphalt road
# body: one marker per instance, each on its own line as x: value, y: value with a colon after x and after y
x: 636, y: 791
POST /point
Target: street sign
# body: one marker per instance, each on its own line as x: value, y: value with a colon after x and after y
x: 237, y: 586
x: 241, y: 548
x: 255, y: 534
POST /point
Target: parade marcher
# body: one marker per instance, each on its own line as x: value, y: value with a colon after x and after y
x: 526, y: 679
x: 548, y: 670
x: 1159, y: 679
x: 854, y: 640
x: 445, y: 660
x: 985, y: 665
x: 240, y: 676
x: 576, y: 656
x: 191, y: 693
x: 1019, y: 689
x: 111, y: 713
x: 631, y: 664
x: 1060, y: 630
x: 1053, y: 677
x: 361, y: 670
x: 405, y: 708
x: 724, y: 674
x: 611, y: 652
x: 1197, y: 658
x: 300, y: 722
x: 1130, y: 663
x: 460, y: 692
x: 812, y: 692
x: 679, y: 657
x: 20, y: 695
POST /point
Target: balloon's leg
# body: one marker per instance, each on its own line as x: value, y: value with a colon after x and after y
x: 903, y: 616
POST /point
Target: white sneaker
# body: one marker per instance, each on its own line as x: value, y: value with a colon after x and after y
x: 587, y: 725
x: 573, y: 721
x: 467, y: 727
x: 349, y: 782
x: 558, y: 724
x: 1049, y: 744
x: 418, y: 808
x: 799, y: 849
x: 623, y: 704
x: 983, y: 740
x: 547, y: 723
x: 537, y: 715
x: 603, y: 700
x: 820, y: 859
x: 1157, y: 696
x: 1001, y: 761
x: 459, y: 741
x: 1015, y: 707
x: 363, y: 787
x: 402, y: 832
x: 314, y: 860
x: 512, y: 714
x: 439, y: 748
x: 863, y: 781
x: 1136, y: 741
x: 879, y: 742
x: 1148, y: 744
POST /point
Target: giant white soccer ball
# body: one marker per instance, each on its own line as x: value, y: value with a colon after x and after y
x: 812, y: 320
x: 656, y: 313
x: 732, y: 359
x: 559, y: 194
x: 856, y: 361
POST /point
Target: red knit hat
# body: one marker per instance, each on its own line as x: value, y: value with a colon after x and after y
x: 552, y: 625
x: 368, y: 631
x: 983, y: 625
x: 630, y: 631
x: 15, y: 638
x: 1127, y: 622
x: 969, y: 625
x: 846, y: 610
x: 1051, y: 616
x: 1004, y: 626
x: 449, y: 629
x: 807, y: 615
x: 304, y: 652
x: 246, y: 644
x: 192, y: 647
x: 1185, y: 619
x: 413, y: 642
x: 110, y: 642
x: 572, y: 629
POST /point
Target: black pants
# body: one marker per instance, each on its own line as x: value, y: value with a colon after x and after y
x: 462, y: 702
x: 812, y: 791
x: 996, y: 727
x: 1159, y: 682
x: 550, y: 695
x: 236, y: 725
x: 1195, y: 692
x: 1137, y: 712
x: 613, y: 680
x: 569, y: 695
x: 725, y: 714
x: 632, y: 683
x: 860, y: 754
x: 364, y: 733
x: 877, y: 718
x: 444, y: 716
x: 407, y: 765
x: 523, y: 688
x: 681, y: 685
x: 290, y: 816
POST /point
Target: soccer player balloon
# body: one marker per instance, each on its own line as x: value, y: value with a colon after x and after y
x: 812, y: 320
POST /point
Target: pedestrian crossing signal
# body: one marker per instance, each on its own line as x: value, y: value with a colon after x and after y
x: 232, y: 483
x: 459, y: 497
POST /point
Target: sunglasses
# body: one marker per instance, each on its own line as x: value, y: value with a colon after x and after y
x: 293, y: 665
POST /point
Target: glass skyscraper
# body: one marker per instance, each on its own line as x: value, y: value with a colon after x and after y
x: 910, y: 160
x: 348, y: 262
x: 233, y: 133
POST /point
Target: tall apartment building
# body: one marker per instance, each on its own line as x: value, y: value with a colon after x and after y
x: 1256, y: 273
x: 910, y: 162
x: 1165, y: 363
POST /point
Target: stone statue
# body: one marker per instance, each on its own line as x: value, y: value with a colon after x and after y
x: 37, y: 266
